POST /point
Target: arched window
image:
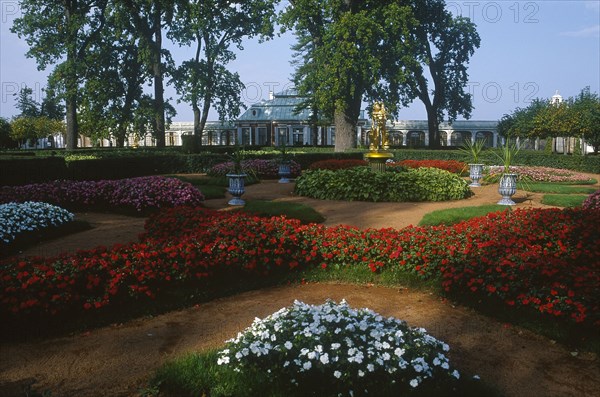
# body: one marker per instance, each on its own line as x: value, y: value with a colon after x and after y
x: 459, y: 138
x: 395, y: 138
x: 487, y: 136
x: 415, y: 139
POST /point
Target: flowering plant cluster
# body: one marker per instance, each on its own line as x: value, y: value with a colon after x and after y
x: 453, y: 166
x: 139, y: 194
x: 593, y: 201
x: 258, y: 167
x: 333, y: 349
x: 545, y: 259
x: 18, y: 218
x: 335, y: 164
x: 540, y: 174
x: 207, y: 244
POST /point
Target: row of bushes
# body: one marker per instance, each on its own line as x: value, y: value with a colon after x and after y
x: 17, y: 170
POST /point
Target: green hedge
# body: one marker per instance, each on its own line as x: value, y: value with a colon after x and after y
x: 362, y: 184
x: 589, y: 163
x: 16, y: 169
x: 25, y: 169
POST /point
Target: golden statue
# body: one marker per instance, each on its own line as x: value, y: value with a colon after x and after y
x: 378, y: 136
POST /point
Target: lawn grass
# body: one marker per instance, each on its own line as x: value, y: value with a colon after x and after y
x: 212, y: 187
x: 302, y: 212
x: 556, y: 188
x: 451, y: 216
x: 563, y: 200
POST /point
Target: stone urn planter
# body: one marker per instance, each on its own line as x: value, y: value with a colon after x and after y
x: 236, y: 188
x: 284, y: 172
x: 475, y: 173
x: 507, y: 188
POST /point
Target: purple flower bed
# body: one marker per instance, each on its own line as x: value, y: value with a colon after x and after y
x: 593, y: 201
x: 261, y: 168
x: 139, y: 194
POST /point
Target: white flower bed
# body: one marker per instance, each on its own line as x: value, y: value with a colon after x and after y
x: 351, y: 351
x: 17, y: 218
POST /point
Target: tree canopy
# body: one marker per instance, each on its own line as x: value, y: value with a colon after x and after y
x: 353, y: 51
x: 213, y: 27
x: 578, y: 116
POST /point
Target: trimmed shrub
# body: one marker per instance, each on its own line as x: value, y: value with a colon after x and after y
x: 362, y: 184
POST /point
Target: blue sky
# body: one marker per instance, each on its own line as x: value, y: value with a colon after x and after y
x: 529, y: 49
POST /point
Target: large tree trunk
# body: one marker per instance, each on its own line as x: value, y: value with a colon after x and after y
x: 197, y: 129
x: 345, y: 131
x: 434, y: 128
x: 71, y: 84
x: 205, y: 109
x: 159, y: 101
x: 72, y: 126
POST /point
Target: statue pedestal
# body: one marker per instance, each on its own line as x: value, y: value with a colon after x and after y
x: 377, y: 160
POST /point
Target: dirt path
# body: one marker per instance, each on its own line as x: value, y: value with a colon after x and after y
x: 116, y: 360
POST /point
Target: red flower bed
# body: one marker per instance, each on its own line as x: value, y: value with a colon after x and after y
x: 337, y: 164
x: 547, y: 259
x: 456, y: 167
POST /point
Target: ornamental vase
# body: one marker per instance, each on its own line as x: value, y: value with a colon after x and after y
x: 507, y: 187
x: 236, y: 188
x: 475, y: 173
x: 284, y: 173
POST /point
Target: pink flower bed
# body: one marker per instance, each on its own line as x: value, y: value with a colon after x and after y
x: 138, y: 194
x: 258, y: 167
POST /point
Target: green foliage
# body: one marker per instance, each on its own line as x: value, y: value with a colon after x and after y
x: 443, y: 45
x: 32, y: 128
x: 204, y: 81
x: 6, y: 141
x: 451, y: 216
x: 579, y: 116
x: 473, y: 150
x: 507, y: 154
x: 361, y: 184
x: 563, y: 200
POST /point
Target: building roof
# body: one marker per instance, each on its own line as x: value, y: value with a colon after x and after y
x: 281, y: 108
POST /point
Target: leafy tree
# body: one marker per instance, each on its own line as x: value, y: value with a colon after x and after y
x: 579, y: 116
x: 32, y: 128
x: 344, y: 47
x: 28, y: 106
x: 442, y: 45
x: 213, y: 27
x: 6, y: 142
x: 52, y: 106
x: 113, y: 89
x: 62, y: 32
x: 584, y: 117
x: 149, y: 18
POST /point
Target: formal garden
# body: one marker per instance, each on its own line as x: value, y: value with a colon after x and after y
x: 537, y: 268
